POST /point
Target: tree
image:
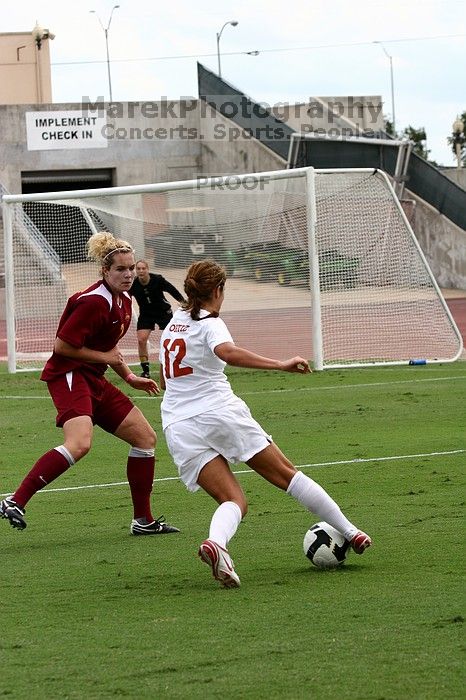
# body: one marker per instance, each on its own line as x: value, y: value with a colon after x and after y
x: 417, y: 136
x: 389, y: 128
x: 459, y: 139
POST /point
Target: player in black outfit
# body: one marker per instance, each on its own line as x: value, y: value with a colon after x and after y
x: 148, y: 290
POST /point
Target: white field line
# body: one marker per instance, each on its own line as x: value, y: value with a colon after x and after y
x: 250, y: 471
x: 335, y: 387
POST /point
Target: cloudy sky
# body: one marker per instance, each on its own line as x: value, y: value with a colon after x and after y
x: 306, y: 48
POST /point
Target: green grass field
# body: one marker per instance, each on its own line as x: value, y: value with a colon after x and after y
x: 87, y: 611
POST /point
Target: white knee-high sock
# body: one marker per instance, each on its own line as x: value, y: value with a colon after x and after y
x: 224, y: 523
x: 316, y: 499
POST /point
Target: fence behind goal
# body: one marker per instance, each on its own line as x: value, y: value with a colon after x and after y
x: 321, y: 263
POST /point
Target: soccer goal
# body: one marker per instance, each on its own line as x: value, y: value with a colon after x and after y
x: 321, y: 263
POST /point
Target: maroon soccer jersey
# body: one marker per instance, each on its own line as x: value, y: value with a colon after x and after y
x: 93, y: 319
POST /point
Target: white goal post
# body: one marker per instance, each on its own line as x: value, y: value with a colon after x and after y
x: 321, y: 263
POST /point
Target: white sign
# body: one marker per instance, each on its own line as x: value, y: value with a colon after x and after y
x: 48, y: 131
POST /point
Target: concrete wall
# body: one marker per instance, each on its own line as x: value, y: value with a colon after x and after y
x: 335, y: 116
x: 144, y: 144
x: 458, y: 175
x: 443, y: 244
x: 140, y: 145
x: 226, y: 148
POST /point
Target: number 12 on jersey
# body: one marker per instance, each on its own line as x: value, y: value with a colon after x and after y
x: 178, y: 347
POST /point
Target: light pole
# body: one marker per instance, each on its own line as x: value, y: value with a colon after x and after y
x: 390, y: 58
x: 458, y: 139
x: 233, y: 23
x: 115, y: 7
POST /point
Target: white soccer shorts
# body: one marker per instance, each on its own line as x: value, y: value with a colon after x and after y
x: 229, y: 431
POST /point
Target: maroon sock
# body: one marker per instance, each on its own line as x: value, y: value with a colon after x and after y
x: 46, y: 469
x: 140, y: 472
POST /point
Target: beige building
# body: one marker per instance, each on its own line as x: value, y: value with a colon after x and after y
x: 25, y: 76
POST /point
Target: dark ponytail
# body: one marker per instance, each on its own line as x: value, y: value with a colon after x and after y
x: 202, y: 279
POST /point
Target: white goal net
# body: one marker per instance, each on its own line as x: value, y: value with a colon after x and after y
x: 320, y: 263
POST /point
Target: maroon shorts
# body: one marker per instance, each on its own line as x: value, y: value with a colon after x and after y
x: 77, y: 394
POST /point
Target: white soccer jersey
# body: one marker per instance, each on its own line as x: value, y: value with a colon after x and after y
x: 194, y: 377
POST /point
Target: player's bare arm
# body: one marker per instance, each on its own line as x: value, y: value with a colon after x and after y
x: 148, y: 385
x: 162, y: 379
x: 111, y: 357
x: 240, y: 357
x: 142, y: 383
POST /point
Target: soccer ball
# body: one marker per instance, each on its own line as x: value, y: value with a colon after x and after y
x: 324, y: 546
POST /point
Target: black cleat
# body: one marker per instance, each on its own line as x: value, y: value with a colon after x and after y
x: 140, y: 526
x: 146, y: 375
x: 11, y: 511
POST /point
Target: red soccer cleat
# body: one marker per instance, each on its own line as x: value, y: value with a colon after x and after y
x: 360, y: 542
x: 220, y: 562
